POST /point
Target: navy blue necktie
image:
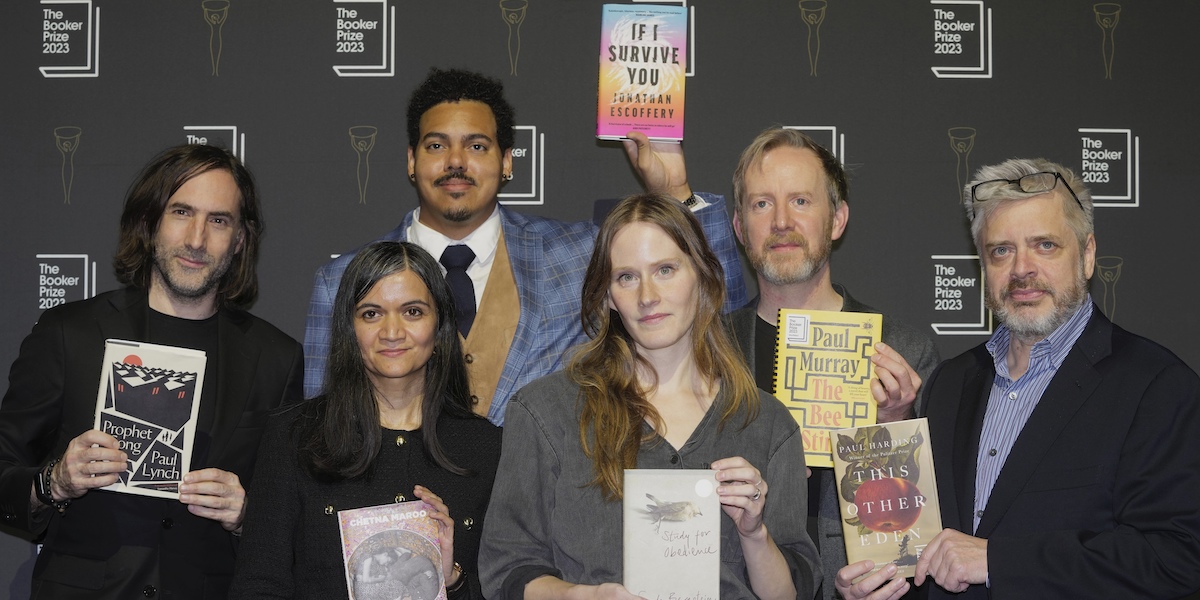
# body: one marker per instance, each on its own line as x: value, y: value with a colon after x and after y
x: 456, y: 259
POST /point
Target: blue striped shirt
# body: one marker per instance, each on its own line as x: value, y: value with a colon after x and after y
x: 1011, y: 402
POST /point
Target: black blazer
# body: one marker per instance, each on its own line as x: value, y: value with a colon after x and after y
x: 1098, y: 497
x: 110, y: 545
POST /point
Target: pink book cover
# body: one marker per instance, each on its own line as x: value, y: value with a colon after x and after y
x: 643, y: 65
x: 391, y: 551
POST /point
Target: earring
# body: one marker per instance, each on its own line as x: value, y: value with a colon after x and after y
x: 412, y: 177
x: 507, y: 177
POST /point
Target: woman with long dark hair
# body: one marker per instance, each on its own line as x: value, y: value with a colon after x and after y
x: 394, y: 423
x: 660, y: 385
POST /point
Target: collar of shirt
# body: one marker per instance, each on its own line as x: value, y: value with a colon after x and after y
x: 482, y: 241
x: 1046, y: 353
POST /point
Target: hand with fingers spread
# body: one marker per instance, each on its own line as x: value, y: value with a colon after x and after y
x: 895, y: 384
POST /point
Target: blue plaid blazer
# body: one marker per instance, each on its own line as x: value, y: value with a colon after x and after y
x: 548, y: 259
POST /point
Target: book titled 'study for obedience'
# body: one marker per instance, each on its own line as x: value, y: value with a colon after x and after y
x: 643, y: 65
x: 887, y: 492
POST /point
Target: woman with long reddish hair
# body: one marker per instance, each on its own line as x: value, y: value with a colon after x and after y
x: 660, y: 385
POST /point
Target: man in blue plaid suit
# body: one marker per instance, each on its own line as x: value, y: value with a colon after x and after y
x: 460, y: 131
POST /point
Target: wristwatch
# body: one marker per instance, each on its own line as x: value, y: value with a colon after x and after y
x: 42, y: 488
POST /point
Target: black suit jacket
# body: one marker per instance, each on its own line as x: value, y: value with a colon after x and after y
x: 1099, y: 495
x: 111, y: 545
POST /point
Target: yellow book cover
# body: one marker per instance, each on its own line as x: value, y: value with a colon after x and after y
x: 887, y: 492
x: 823, y: 374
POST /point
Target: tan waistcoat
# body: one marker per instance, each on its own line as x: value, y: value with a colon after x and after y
x: 486, y: 348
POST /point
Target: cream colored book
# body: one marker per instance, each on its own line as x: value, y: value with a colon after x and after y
x: 823, y: 374
x: 887, y: 492
x: 672, y: 534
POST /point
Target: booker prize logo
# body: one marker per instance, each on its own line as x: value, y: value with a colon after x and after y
x: 1111, y: 166
x: 362, y: 139
x: 962, y: 39
x: 224, y: 136
x: 529, y: 168
x: 364, y: 38
x: 66, y: 139
x: 962, y: 141
x: 70, y: 38
x: 1108, y: 271
x: 63, y: 278
x: 216, y: 12
x: 512, y: 12
x: 812, y: 12
x: 827, y: 136
x: 1108, y: 14
x: 958, y: 305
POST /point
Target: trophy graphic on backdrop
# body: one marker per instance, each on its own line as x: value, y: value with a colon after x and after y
x: 1108, y: 14
x: 215, y: 14
x: 812, y: 12
x: 362, y: 138
x: 66, y: 139
x: 962, y: 140
x: 513, y: 13
x: 1109, y: 270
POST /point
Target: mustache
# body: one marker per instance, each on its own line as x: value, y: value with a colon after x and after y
x: 192, y: 255
x: 1027, y: 284
x: 785, y: 238
x: 452, y: 175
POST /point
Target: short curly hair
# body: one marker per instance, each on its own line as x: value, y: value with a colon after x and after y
x: 453, y: 85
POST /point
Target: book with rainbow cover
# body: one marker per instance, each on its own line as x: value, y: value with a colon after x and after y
x: 643, y: 65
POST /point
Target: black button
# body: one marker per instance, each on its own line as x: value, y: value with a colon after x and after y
x: 674, y: 459
x: 469, y: 358
x: 992, y: 452
x: 979, y: 514
x: 468, y: 523
x: 149, y: 591
x: 168, y: 523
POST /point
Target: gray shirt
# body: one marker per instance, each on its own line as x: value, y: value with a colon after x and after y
x: 545, y: 518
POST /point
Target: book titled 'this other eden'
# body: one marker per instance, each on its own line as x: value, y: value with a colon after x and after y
x: 643, y: 65
x: 887, y: 492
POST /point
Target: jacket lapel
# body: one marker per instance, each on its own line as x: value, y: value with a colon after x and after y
x: 1071, y: 386
x: 237, y: 363
x: 526, y: 256
x: 977, y: 386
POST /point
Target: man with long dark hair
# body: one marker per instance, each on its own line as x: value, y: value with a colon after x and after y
x: 187, y: 251
x: 516, y: 277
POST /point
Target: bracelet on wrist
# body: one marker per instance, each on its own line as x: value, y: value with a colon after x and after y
x: 42, y: 487
x: 462, y: 579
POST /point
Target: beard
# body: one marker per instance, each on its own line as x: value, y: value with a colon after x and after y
x: 788, y: 270
x: 185, y: 283
x: 1031, y: 327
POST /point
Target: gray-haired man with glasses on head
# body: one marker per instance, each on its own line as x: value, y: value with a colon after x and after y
x: 1067, y: 449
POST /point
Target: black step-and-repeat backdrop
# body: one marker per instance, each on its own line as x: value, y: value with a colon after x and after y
x: 912, y: 95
